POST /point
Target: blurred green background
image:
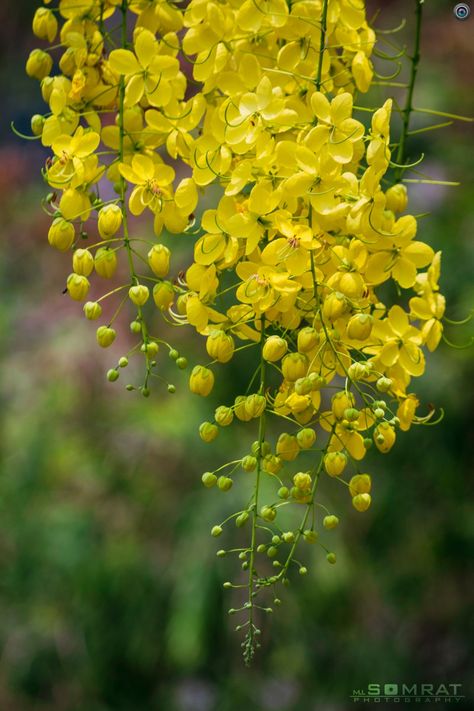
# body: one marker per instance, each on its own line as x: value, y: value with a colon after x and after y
x: 110, y: 592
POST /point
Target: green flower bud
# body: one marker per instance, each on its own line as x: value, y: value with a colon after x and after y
x: 249, y: 463
x: 242, y: 519
x: 283, y: 492
x: 216, y: 531
x: 112, y: 375
x: 105, y: 336
x: 92, y: 310
x: 136, y: 327
x: 268, y: 513
x: 208, y: 479
x: 208, y: 432
x: 331, y: 558
x: 330, y: 522
x: 224, y: 483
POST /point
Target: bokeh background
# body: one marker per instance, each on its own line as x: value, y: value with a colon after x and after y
x: 110, y: 592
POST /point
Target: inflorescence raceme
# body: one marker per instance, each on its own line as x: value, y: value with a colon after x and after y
x: 309, y: 225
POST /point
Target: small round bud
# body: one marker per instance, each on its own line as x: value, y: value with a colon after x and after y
x: 61, y: 234
x: 384, y: 384
x: 159, y: 260
x: 379, y: 413
x: 208, y: 479
x: 220, y: 346
x: 283, y: 492
x: 105, y: 336
x: 123, y: 362
x: 288, y: 536
x: 151, y: 348
x: 163, y: 295
x: 37, y: 123
x: 303, y: 570
x: 361, y: 502
x: 242, y: 519
x: 268, y: 513
x: 216, y: 531
x: 335, y: 463
x: 39, y: 64
x: 171, y: 389
x: 249, y: 463
x: 139, y: 294
x: 261, y: 548
x: 310, y: 536
x: 330, y: 522
x: 182, y: 363
x: 109, y: 220
x: 272, y: 551
x: 294, y: 366
x: 221, y: 553
x: 173, y: 354
x: 208, y: 432
x: 105, y: 262
x: 274, y: 348
x: 112, y: 375
x: 224, y: 416
x: 308, y: 339
x: 306, y: 438
x: 224, y: 483
x: 331, y: 558
x: 92, y: 310
x: 201, y: 380
x: 77, y: 286
x: 136, y: 327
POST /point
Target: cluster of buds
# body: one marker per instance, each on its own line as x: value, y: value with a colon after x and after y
x: 255, y: 98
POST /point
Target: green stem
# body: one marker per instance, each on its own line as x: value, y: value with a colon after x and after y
x: 123, y: 206
x: 415, y: 59
x: 322, y: 42
x: 250, y: 643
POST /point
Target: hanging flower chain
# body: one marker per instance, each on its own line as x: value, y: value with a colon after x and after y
x: 293, y: 262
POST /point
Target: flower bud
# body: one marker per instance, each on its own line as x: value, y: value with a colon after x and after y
x: 298, y: 403
x: 92, y: 310
x: 361, y: 502
x: 359, y: 327
x: 331, y: 558
x: 268, y: 513
x: 216, y: 531
x: 396, y: 198
x: 340, y: 402
x: 112, y: 375
x: 37, y: 123
x: 105, y: 262
x: 45, y: 24
x: 110, y: 220
x: 224, y: 415
x: 242, y: 519
x: 220, y: 346
x: 61, y: 234
x: 287, y: 447
x: 105, y: 336
x: 294, y: 366
x: 240, y: 410
x: 384, y: 437
x: 201, y: 380
x: 384, y: 384
x: 335, y: 305
x: 360, y: 484
x: 330, y: 522
x: 139, y: 294
x: 308, y: 338
x: 310, y: 536
x: 224, y: 483
x: 249, y: 463
x: 317, y: 381
x: 357, y: 371
x: 39, y: 64
x: 77, y: 286
x: 208, y: 432
x: 335, y: 463
x: 303, y: 386
x: 306, y: 438
x: 283, y: 492
x: 159, y: 260
x: 208, y: 479
x: 274, y: 348
x: 302, y: 481
x: 163, y: 295
x: 82, y: 262
x: 272, y: 464
x: 255, y: 405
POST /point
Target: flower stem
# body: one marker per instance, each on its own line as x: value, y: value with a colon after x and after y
x: 322, y: 42
x: 415, y: 59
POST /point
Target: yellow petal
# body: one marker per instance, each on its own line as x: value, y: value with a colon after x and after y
x: 123, y: 61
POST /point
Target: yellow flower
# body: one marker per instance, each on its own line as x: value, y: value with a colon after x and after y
x: 336, y: 131
x: 400, y: 342
x: 109, y: 220
x: 147, y: 72
x: 152, y: 181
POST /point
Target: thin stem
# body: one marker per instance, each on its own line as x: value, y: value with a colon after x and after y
x: 250, y: 644
x: 415, y: 59
x: 322, y: 42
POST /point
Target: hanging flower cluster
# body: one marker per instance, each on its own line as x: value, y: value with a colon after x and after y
x: 308, y: 256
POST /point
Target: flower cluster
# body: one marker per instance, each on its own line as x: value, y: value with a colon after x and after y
x: 307, y: 229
